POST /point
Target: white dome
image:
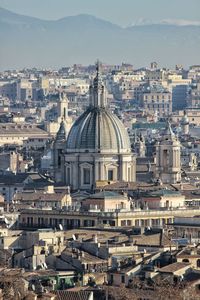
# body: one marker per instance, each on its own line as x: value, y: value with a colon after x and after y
x: 98, y: 130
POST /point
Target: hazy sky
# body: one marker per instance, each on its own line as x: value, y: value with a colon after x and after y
x: 122, y: 12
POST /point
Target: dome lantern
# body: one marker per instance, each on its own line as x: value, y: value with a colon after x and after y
x: 97, y: 90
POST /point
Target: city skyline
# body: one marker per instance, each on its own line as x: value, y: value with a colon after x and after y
x: 99, y: 149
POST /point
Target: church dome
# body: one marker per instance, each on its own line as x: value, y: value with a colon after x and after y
x: 98, y: 130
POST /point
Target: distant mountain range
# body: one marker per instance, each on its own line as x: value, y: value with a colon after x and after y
x: 27, y: 42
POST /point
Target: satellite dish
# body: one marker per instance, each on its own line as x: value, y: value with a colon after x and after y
x: 73, y: 236
x: 145, y: 251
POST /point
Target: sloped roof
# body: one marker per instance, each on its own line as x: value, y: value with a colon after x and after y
x: 174, y: 267
x: 39, y: 196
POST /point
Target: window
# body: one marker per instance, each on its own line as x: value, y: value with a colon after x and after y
x: 86, y: 176
x: 111, y: 278
x: 123, y: 279
x: 68, y: 175
x: 129, y: 174
x: 110, y: 174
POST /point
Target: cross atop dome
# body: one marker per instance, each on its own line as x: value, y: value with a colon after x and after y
x: 98, y: 65
x: 97, y: 90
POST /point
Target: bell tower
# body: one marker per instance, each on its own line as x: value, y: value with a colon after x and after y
x: 62, y: 107
x: 58, y: 150
x: 168, y: 162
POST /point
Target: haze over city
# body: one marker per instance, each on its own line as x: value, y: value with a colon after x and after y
x: 166, y: 31
x: 123, y: 13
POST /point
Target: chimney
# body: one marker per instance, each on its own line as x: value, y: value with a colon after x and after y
x: 95, y: 238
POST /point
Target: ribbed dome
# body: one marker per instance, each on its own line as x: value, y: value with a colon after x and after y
x: 98, y: 130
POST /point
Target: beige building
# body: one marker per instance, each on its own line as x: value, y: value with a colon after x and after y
x: 157, y: 102
x: 193, y: 116
x: 187, y: 227
x: 163, y: 199
x: 16, y: 239
x: 28, y: 135
x: 42, y: 199
x: 33, y: 218
x: 190, y: 255
x: 106, y: 201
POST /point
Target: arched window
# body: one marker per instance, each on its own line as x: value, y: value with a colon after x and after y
x: 185, y: 260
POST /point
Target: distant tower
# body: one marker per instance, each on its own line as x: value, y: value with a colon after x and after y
x: 142, y: 146
x: 185, y: 124
x: 62, y: 107
x: 58, y: 150
x: 154, y: 65
x: 168, y: 162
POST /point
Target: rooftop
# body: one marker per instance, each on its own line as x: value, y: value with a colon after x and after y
x: 21, y: 129
x: 174, y: 267
x: 106, y: 195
